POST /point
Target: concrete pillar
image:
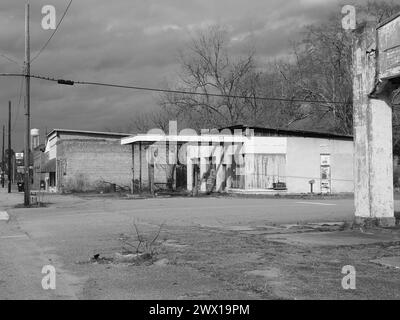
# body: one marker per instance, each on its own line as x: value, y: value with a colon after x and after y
x: 151, y: 177
x: 203, y: 169
x: 220, y: 179
x: 189, y: 175
x: 372, y: 117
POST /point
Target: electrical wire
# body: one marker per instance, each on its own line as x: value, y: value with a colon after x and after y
x: 19, y: 104
x: 72, y: 82
x: 9, y: 59
x: 54, y: 32
x: 12, y: 75
x: 20, y: 91
x: 205, y: 94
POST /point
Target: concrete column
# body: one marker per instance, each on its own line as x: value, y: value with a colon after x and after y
x: 220, y: 169
x: 203, y: 169
x: 189, y: 175
x: 133, y: 169
x: 372, y: 117
x: 374, y: 163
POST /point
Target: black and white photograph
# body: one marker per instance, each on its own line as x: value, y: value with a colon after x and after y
x: 199, y: 156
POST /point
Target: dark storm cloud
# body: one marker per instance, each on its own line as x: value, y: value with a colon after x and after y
x: 130, y: 42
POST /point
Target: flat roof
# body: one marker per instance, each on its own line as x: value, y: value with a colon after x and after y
x: 293, y: 133
x: 182, y: 138
x: 92, y: 133
x: 265, y: 132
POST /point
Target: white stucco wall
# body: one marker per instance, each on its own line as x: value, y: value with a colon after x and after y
x: 303, y: 161
x: 303, y: 164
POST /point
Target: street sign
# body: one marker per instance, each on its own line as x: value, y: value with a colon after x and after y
x: 389, y: 48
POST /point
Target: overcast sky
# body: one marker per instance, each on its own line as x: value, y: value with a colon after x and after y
x: 128, y: 42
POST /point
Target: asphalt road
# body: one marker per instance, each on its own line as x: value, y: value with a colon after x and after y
x: 194, y: 211
x: 72, y: 229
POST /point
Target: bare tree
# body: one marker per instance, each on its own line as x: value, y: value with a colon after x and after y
x: 322, y: 71
x: 142, y: 122
x: 146, y: 121
x: 271, y: 113
x: 378, y: 11
x: 322, y: 67
x: 209, y: 68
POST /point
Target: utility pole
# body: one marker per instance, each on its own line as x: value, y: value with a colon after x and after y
x: 9, y: 148
x: 27, y: 199
x: 2, y: 160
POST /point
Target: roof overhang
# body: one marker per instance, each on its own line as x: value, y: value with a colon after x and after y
x: 152, y: 138
x: 85, y: 132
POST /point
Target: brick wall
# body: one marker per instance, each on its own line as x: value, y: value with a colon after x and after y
x: 84, y: 164
x: 39, y: 160
x: 37, y: 164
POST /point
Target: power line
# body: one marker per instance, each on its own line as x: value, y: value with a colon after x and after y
x: 205, y: 94
x: 73, y: 82
x: 19, y: 104
x: 11, y: 75
x: 54, y: 32
x: 9, y: 59
x: 20, y: 92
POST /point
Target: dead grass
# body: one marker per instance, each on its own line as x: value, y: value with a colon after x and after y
x: 298, y: 272
x: 141, y: 243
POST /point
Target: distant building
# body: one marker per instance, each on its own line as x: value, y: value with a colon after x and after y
x: 38, y: 162
x: 76, y: 160
x: 243, y: 159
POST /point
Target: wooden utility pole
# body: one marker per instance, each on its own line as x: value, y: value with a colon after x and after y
x: 2, y: 160
x: 27, y: 108
x: 140, y: 166
x: 9, y: 148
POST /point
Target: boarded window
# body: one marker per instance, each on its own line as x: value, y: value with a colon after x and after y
x: 263, y: 170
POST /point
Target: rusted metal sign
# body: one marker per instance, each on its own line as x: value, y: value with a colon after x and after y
x: 389, y: 48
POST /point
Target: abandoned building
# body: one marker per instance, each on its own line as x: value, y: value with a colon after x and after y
x: 243, y: 159
x: 76, y: 160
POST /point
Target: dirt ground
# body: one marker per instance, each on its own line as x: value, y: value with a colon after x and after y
x: 274, y: 270
x: 208, y: 248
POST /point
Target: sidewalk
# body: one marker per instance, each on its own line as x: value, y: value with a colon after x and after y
x: 22, y: 260
x: 10, y: 200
